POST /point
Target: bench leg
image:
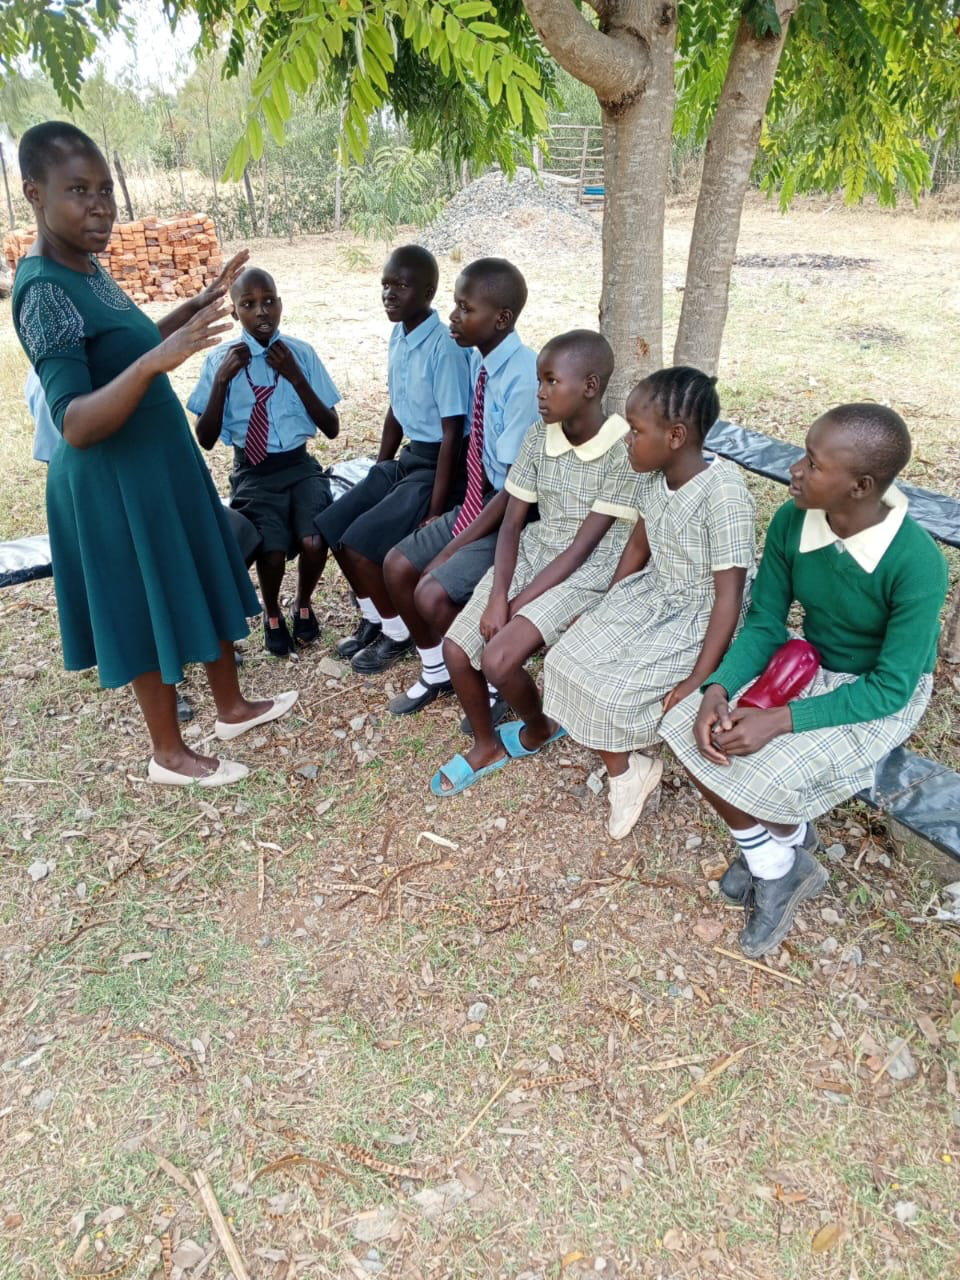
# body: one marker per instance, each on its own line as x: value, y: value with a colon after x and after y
x: 950, y: 635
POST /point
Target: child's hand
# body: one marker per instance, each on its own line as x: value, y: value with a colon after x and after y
x: 712, y: 718
x: 201, y: 331
x: 751, y: 728
x: 237, y: 358
x: 681, y: 691
x: 494, y: 618
x: 226, y: 278
x: 281, y: 358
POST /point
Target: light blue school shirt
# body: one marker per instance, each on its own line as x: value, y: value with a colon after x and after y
x: 509, y: 403
x: 428, y: 377
x: 289, y: 423
x: 46, y: 437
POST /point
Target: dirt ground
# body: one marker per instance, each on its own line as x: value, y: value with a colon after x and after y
x: 474, y: 1038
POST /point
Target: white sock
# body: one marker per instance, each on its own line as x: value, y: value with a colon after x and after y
x: 395, y: 628
x: 434, y: 668
x: 368, y: 609
x: 792, y: 838
x: 766, y: 857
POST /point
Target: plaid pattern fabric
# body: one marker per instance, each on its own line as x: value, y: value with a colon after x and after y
x: 606, y: 679
x: 567, y: 488
x: 798, y: 776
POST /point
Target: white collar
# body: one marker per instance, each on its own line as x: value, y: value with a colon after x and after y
x: 869, y: 545
x: 556, y: 443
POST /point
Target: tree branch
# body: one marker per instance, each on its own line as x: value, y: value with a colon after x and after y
x: 612, y: 68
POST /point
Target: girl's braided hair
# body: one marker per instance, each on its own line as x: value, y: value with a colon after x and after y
x: 683, y: 394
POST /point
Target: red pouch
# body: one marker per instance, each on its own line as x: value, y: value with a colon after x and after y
x: 787, y: 674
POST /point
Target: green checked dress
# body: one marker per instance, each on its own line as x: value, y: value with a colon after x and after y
x: 147, y: 573
x: 606, y: 678
x: 568, y: 482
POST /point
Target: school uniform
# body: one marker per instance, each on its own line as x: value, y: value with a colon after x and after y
x: 46, y: 437
x: 568, y: 482
x: 282, y: 493
x: 507, y: 399
x: 428, y: 377
x: 606, y: 678
x: 871, y: 607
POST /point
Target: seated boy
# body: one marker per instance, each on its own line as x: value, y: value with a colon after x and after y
x: 266, y: 396
x: 431, y: 574
x: 871, y: 583
x: 428, y: 377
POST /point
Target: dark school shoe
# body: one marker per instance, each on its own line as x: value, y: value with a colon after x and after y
x: 775, y: 902
x: 404, y: 705
x: 365, y: 634
x: 380, y: 655
x: 735, y: 881
x: 501, y: 710
x: 305, y: 630
x: 277, y: 639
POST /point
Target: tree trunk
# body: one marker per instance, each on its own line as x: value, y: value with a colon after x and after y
x: 728, y: 162
x: 266, y: 193
x: 123, y: 184
x: 251, y: 203
x: 6, y: 187
x: 629, y: 64
x: 213, y: 164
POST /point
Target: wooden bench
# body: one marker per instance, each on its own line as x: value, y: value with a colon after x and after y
x: 920, y: 794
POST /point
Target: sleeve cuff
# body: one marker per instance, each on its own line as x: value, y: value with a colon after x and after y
x: 614, y: 509
x: 515, y: 491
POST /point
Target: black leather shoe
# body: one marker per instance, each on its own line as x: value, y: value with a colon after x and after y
x: 735, y: 881
x: 305, y: 630
x: 404, y: 705
x: 277, y: 639
x: 500, y: 711
x: 365, y: 634
x: 380, y: 655
x: 775, y: 902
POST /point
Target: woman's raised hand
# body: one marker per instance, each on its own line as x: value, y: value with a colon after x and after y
x: 201, y: 331
x: 217, y: 288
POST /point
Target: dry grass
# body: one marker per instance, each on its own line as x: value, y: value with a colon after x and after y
x: 310, y: 1014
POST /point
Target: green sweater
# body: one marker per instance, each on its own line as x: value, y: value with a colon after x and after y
x: 880, y: 626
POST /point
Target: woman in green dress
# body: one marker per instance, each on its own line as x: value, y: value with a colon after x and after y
x: 148, y: 576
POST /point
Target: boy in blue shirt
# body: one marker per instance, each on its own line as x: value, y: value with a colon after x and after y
x: 428, y: 376
x: 266, y: 396
x: 432, y: 573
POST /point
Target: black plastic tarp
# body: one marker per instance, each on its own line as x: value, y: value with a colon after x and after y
x: 939, y: 514
x: 921, y: 794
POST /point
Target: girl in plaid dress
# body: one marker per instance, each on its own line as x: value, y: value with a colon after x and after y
x: 573, y: 465
x: 676, y: 597
x: 871, y: 583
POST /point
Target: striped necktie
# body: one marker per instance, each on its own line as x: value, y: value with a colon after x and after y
x: 473, y: 501
x: 255, y: 445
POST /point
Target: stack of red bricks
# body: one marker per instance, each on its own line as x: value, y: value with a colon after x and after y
x: 153, y: 258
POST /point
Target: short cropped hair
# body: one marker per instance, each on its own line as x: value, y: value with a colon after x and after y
x: 878, y: 435
x: 252, y: 275
x: 500, y: 281
x: 40, y: 146
x: 683, y: 394
x: 590, y: 349
x: 419, y: 260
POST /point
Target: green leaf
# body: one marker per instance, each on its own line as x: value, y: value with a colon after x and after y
x: 274, y: 123
x: 514, y: 103
x: 254, y: 138
x: 489, y: 29
x: 494, y: 83
x: 472, y: 9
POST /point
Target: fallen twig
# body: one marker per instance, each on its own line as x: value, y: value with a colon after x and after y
x: 763, y: 968
x: 708, y: 1079
x: 498, y: 1093
x: 219, y: 1224
x: 896, y: 1053
x: 170, y: 1169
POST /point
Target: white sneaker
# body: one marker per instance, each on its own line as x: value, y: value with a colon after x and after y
x: 227, y: 771
x: 628, y: 793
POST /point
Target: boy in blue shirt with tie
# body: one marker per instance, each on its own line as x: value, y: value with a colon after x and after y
x: 428, y: 376
x: 266, y: 396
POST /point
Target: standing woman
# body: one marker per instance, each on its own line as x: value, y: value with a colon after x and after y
x: 148, y: 575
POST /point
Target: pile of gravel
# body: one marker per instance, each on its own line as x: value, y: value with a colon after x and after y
x: 512, y: 218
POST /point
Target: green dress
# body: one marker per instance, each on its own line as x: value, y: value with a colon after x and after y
x: 147, y: 572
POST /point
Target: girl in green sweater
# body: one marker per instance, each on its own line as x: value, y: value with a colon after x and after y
x: 871, y: 583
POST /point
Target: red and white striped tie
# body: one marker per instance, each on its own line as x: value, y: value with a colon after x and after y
x: 473, y: 501
x: 255, y: 445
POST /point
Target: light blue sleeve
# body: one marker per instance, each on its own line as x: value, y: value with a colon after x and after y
x: 317, y: 376
x: 200, y: 394
x: 520, y: 411
x: 46, y: 437
x: 451, y: 378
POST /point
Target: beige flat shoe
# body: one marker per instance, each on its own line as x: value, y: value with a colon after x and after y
x: 227, y: 771
x: 629, y: 792
x: 279, y: 707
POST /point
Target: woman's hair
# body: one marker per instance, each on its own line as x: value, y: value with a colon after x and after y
x: 41, y: 145
x: 683, y: 394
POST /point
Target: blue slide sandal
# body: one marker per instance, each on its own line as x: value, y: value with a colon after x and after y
x: 459, y: 772
x: 510, y: 737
